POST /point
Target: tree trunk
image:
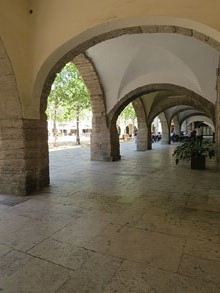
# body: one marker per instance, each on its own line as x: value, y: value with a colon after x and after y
x: 77, y: 125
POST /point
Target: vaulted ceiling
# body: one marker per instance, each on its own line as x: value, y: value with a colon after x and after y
x: 131, y: 61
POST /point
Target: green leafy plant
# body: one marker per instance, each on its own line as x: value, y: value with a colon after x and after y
x: 194, y: 149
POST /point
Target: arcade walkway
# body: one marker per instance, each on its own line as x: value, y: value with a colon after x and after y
x: 138, y: 225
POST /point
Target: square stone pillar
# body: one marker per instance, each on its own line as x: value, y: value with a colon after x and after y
x: 165, y: 133
x: 24, y: 163
x: 142, y: 137
x: 177, y: 129
x: 104, y: 141
x: 100, y: 149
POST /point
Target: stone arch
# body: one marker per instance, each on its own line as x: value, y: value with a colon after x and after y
x: 114, y: 139
x: 191, y: 115
x: 100, y: 133
x: 92, y: 81
x: 100, y: 138
x: 79, y: 44
x: 76, y: 47
x: 176, y: 119
x: 139, y: 110
x: 182, y: 113
x: 177, y: 112
x: 207, y: 120
x: 162, y: 106
x: 143, y: 142
x: 183, y: 97
x: 34, y: 174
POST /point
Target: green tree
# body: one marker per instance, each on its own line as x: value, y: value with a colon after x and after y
x: 127, y: 114
x: 67, y: 98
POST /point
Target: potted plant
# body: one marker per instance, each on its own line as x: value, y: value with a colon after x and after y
x: 196, y: 151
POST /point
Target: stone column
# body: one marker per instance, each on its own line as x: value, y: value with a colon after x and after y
x: 165, y: 129
x: 142, y: 137
x: 217, y: 119
x: 143, y: 141
x: 184, y: 126
x: 165, y: 134
x: 100, y: 140
x: 149, y: 138
x: 177, y: 129
x: 24, y: 164
x: 115, y: 145
x: 176, y: 125
x: 101, y: 145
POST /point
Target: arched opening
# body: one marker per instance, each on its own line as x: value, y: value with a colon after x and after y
x: 105, y: 143
x: 147, y: 223
x: 127, y: 121
x: 68, y: 106
x: 151, y: 100
x: 156, y: 130
x: 114, y: 29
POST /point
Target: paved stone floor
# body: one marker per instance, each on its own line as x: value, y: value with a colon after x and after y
x: 138, y: 225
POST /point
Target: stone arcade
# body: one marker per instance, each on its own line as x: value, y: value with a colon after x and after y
x: 165, y: 65
x: 139, y: 224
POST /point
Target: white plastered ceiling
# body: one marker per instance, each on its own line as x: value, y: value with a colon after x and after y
x: 132, y: 61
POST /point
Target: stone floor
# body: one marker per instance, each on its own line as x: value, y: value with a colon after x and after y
x: 138, y: 225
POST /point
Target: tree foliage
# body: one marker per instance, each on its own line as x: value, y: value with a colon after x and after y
x: 68, y: 93
x: 128, y: 113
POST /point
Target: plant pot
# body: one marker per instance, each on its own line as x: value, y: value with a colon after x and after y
x: 198, y: 163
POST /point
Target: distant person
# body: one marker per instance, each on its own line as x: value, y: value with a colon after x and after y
x: 153, y: 137
x: 159, y: 136
x: 135, y: 136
